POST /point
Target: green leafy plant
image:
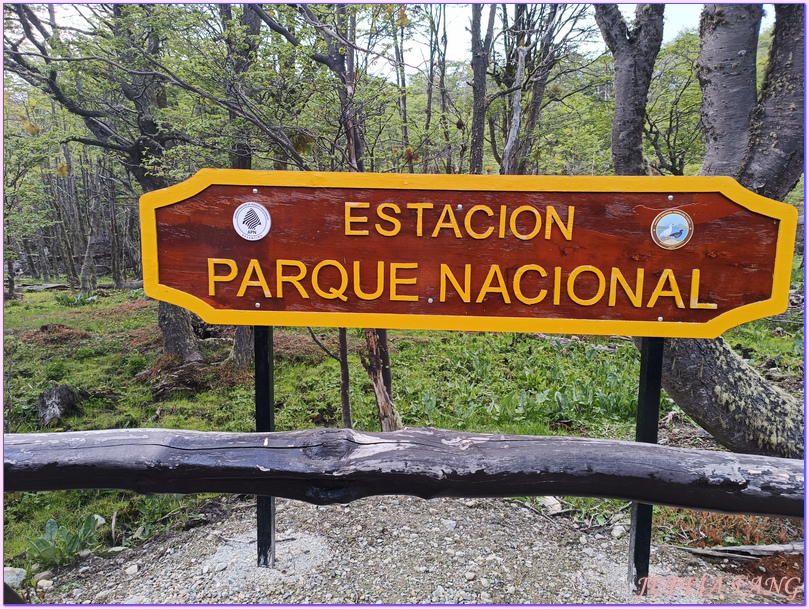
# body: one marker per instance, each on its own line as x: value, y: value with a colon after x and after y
x: 135, y: 294
x: 77, y: 300
x: 60, y: 546
x: 135, y: 363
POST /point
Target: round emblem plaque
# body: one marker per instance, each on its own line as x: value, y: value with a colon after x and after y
x: 252, y: 221
x: 672, y: 229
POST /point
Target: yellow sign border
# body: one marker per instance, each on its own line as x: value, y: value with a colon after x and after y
x: 785, y: 214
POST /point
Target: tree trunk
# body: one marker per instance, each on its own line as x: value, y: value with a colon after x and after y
x: 345, y: 399
x: 178, y: 333
x: 116, y: 254
x: 384, y: 355
x: 242, y: 43
x: 42, y: 255
x: 741, y: 410
x: 434, y: 17
x: 88, y: 278
x: 727, y: 75
x: 388, y: 417
x: 242, y: 352
x: 10, y: 272
x: 63, y: 241
x: 398, y: 49
x: 729, y: 398
x: 634, y: 52
x: 67, y: 257
x: 480, y: 61
x: 774, y: 164
x: 442, y: 87
x: 712, y: 384
x: 509, y: 163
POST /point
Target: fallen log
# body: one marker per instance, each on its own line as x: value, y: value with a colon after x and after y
x: 325, y: 466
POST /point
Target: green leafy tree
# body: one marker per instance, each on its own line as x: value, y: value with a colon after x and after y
x: 673, y: 139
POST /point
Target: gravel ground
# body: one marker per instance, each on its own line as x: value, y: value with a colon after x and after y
x: 391, y: 550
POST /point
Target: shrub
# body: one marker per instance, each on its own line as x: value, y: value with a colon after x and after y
x: 77, y: 300
x: 59, y: 546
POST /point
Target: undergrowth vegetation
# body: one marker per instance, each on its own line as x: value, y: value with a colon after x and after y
x: 109, y: 347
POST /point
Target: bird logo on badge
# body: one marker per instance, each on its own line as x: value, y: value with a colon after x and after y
x: 672, y: 229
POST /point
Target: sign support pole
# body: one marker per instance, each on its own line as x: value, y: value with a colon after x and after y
x: 640, y: 535
x: 265, y: 421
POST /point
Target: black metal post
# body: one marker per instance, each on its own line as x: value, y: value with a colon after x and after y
x: 640, y: 534
x: 265, y: 421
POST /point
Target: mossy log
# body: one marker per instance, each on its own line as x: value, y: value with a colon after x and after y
x: 324, y: 466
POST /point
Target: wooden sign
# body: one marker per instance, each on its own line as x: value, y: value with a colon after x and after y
x: 656, y: 256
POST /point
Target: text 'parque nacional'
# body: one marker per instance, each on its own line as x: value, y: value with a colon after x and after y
x: 638, y: 256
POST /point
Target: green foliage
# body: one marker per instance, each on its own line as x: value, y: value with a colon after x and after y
x: 55, y: 370
x: 673, y: 138
x: 158, y: 513
x: 60, y: 546
x: 135, y: 363
x: 75, y: 300
x: 136, y: 294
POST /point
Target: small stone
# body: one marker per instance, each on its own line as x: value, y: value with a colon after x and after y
x: 44, y: 575
x: 83, y: 570
x: 85, y: 553
x: 102, y: 596
x: 205, y: 569
x: 117, y: 550
x: 618, y: 531
x: 583, y: 539
x: 45, y: 584
x: 552, y: 504
x: 449, y: 524
x: 484, y: 582
x: 221, y: 567
x: 131, y: 570
x: 469, y: 576
x: 511, y: 589
x: 13, y: 576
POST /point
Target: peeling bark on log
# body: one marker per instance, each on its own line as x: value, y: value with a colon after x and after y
x: 324, y: 466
